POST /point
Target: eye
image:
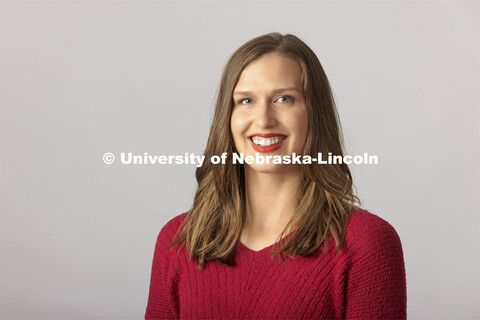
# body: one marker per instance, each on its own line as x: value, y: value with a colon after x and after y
x: 289, y: 98
x: 242, y: 101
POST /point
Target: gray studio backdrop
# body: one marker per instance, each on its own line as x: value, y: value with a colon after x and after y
x: 80, y: 79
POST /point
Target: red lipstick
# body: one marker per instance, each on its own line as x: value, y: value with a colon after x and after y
x: 267, y: 135
x: 266, y: 149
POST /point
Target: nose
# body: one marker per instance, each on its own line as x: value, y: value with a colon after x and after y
x: 265, y: 115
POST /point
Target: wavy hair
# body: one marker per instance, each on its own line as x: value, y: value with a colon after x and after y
x: 212, y: 226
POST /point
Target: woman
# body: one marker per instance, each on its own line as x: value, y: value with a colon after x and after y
x: 334, y: 260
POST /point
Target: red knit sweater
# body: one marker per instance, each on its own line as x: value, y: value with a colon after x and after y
x: 366, y: 281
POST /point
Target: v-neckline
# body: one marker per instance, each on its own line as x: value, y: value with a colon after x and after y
x: 252, y: 252
x: 244, y: 247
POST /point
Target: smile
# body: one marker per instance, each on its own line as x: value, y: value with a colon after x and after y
x: 266, y: 144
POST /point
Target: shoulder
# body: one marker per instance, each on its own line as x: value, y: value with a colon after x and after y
x: 367, y: 232
x: 173, y: 224
x: 168, y: 231
x: 375, y: 272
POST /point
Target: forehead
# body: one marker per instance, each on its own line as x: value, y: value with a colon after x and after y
x: 269, y: 72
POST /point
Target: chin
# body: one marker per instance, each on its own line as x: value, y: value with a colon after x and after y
x: 266, y: 168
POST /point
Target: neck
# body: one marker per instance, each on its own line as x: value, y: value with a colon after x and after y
x: 270, y: 199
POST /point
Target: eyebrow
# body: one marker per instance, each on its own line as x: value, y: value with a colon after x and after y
x: 273, y: 91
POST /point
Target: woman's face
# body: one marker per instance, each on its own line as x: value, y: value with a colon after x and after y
x: 269, y: 113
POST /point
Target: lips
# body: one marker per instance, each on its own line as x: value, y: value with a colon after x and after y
x: 262, y: 138
x: 267, y: 135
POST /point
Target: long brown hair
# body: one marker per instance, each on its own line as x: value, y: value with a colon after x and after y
x: 212, y: 227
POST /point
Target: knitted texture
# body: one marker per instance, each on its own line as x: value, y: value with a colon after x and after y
x: 366, y: 281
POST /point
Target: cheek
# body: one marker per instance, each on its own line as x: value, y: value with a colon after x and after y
x: 234, y: 130
x: 298, y: 124
x: 304, y: 129
x: 238, y: 125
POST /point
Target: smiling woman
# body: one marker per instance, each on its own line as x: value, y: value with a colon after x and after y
x: 335, y: 260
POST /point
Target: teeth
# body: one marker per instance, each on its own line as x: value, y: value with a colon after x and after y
x: 264, y: 142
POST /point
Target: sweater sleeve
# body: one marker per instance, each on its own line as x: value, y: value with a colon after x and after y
x: 376, y: 280
x: 162, y: 302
